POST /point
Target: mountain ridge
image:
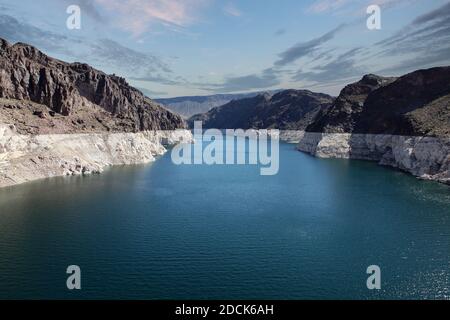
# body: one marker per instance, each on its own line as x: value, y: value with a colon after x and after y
x: 415, y: 104
x: 73, y: 97
x: 287, y: 110
x: 188, y: 106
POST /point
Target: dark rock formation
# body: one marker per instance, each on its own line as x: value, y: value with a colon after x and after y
x: 27, y: 74
x: 341, y: 116
x: 286, y: 110
x: 417, y: 104
x: 192, y: 105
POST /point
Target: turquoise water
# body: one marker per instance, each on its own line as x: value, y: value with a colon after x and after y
x: 162, y: 231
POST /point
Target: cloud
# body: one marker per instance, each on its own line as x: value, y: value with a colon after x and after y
x: 423, y: 42
x: 231, y: 10
x: 433, y: 58
x: 108, y: 52
x: 137, y: 16
x: 343, y: 67
x: 352, y: 7
x: 268, y: 78
x: 161, y: 79
x: 280, y: 32
x: 15, y: 31
x: 150, y: 93
x: 388, y: 4
x: 423, y: 24
x: 104, y: 54
x: 304, y: 48
x: 326, y: 5
x: 438, y: 14
x: 323, y: 6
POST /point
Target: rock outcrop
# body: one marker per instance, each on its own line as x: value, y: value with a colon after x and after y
x: 25, y: 158
x: 417, y: 104
x: 348, y: 106
x: 92, y: 99
x: 59, y: 118
x: 286, y: 110
x: 403, y: 123
x: 424, y: 157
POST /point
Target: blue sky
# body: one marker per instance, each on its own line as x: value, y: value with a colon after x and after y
x: 201, y: 47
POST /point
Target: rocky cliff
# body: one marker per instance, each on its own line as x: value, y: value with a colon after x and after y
x: 348, y: 106
x: 286, y: 110
x: 25, y: 158
x: 417, y: 104
x: 400, y: 122
x: 71, y: 97
x: 424, y: 157
x: 59, y: 118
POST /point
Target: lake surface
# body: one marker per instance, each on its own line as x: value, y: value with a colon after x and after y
x: 162, y: 231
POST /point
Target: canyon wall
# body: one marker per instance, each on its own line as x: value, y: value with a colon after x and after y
x: 25, y: 158
x: 424, y: 157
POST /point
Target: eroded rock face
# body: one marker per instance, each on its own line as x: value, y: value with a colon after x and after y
x: 403, y: 123
x: 29, y: 157
x: 424, y: 157
x: 27, y: 74
x: 346, y: 110
x: 416, y: 104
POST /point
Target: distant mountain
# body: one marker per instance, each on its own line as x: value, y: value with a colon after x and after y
x: 191, y: 105
x: 39, y: 93
x: 416, y: 104
x: 289, y: 109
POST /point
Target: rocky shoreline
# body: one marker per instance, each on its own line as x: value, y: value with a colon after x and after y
x: 25, y: 158
x: 427, y: 158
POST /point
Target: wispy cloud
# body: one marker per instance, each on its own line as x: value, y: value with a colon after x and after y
x: 326, y: 5
x: 104, y: 54
x: 162, y: 78
x: 424, y: 42
x: 137, y: 16
x: 126, y: 61
x: 430, y: 28
x: 152, y: 93
x: 267, y: 79
x: 387, y: 4
x: 16, y: 31
x: 231, y: 10
x: 340, y: 68
x: 437, y: 14
x: 280, y: 32
x: 304, y: 48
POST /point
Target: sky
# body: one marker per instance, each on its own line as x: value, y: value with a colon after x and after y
x: 169, y: 48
